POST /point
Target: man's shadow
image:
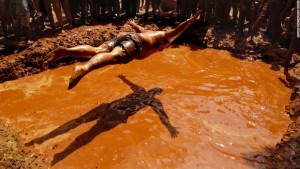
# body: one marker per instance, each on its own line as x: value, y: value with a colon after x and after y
x: 109, y: 115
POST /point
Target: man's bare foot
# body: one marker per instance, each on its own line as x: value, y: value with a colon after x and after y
x: 55, y: 54
x: 78, y: 72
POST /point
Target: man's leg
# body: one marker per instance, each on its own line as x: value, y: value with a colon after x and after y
x: 17, y: 29
x: 263, y: 16
x: 226, y: 9
x: 123, y: 6
x: 84, y: 9
x: 275, y: 22
x: 147, y: 5
x: 38, y: 23
x: 73, y: 10
x: 82, y: 51
x: 96, y: 61
x: 103, y: 8
x: 250, y: 16
x: 241, y: 20
x: 58, y: 13
x: 9, y: 14
x: 26, y: 28
x: 48, y: 8
x: 234, y: 5
x: 202, y: 9
x: 289, y: 54
x: 134, y: 8
x: 255, y: 27
x: 194, y: 6
x: 208, y: 10
x: 65, y: 6
x: 294, y: 42
x: 116, y: 7
x: 128, y: 6
x: 3, y: 18
x: 154, y: 4
x: 109, y: 5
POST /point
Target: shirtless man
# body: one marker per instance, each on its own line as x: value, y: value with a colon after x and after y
x: 121, y: 49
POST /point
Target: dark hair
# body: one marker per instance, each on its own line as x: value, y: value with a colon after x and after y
x: 155, y: 91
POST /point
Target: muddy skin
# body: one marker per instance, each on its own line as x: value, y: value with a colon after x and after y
x: 54, y: 55
x: 78, y: 72
x: 110, y: 115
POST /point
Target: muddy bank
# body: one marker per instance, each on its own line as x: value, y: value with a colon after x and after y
x: 13, y: 154
x: 286, y: 153
x: 31, y: 61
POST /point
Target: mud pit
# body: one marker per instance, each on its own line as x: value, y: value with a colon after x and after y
x: 227, y: 110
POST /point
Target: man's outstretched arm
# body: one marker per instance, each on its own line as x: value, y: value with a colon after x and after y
x: 133, y: 86
x: 135, y: 26
x: 172, y: 34
x: 157, y: 106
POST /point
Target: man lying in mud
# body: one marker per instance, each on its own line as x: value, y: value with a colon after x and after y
x: 121, y: 49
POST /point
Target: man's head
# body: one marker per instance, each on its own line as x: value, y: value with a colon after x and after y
x: 155, y: 91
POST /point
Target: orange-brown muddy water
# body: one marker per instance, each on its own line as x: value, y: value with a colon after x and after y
x: 227, y: 110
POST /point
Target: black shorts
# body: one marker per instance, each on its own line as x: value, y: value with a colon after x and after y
x: 130, y: 42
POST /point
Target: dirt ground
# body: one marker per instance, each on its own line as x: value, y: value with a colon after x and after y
x: 15, y: 64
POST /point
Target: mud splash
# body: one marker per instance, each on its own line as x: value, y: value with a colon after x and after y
x: 227, y: 111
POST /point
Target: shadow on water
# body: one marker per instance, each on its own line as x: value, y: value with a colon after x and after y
x: 109, y: 115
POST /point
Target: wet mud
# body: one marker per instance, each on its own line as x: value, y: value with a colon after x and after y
x: 207, y: 123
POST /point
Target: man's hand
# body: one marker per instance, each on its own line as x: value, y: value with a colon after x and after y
x: 135, y: 26
x: 121, y: 76
x: 131, y: 22
x: 173, y: 131
x: 196, y: 17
